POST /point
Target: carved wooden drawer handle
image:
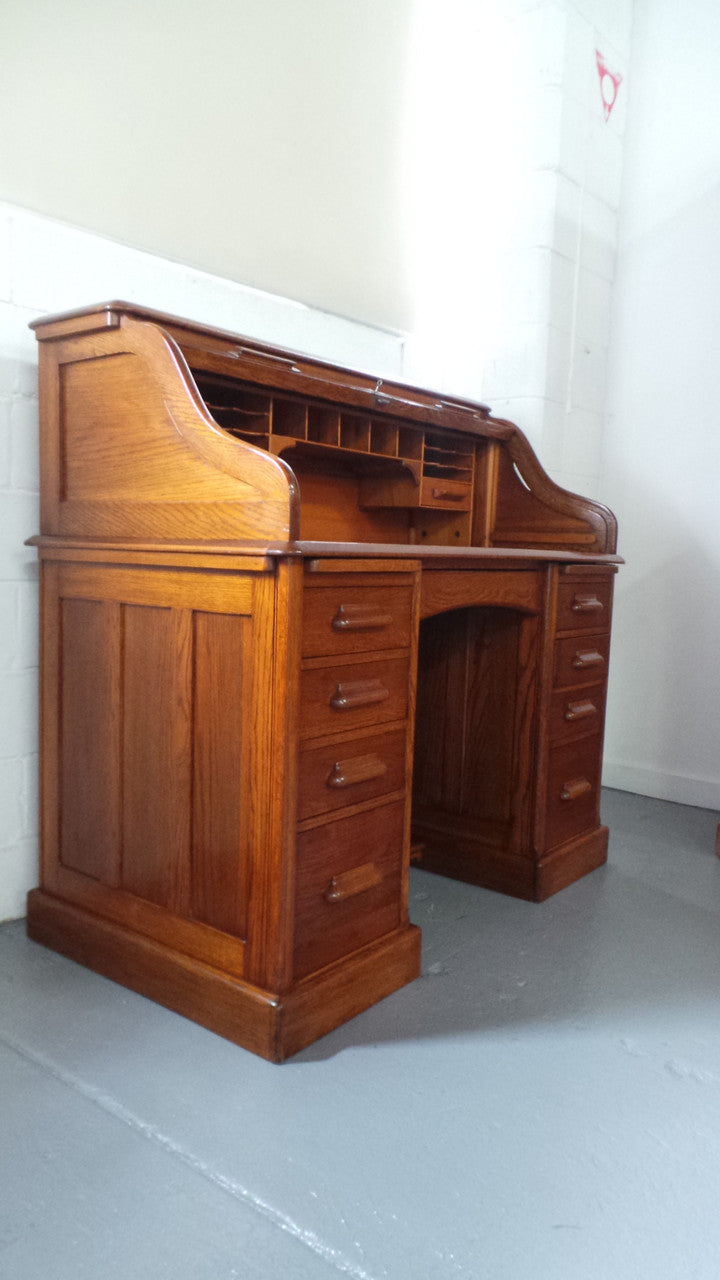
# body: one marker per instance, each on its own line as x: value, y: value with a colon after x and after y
x: 586, y: 604
x: 347, y: 773
x: 575, y: 788
x: 358, y: 693
x: 360, y: 617
x: 448, y: 495
x: 352, y: 882
x: 580, y: 710
x: 588, y: 658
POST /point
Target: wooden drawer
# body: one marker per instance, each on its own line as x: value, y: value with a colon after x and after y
x: 572, y: 715
x: 352, y: 695
x: 348, y: 885
x: 450, y: 495
x: 584, y: 605
x: 581, y: 660
x: 347, y: 619
x: 573, y: 790
x: 348, y: 772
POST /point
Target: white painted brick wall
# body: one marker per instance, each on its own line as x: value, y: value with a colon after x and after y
x: 560, y: 275
x: 46, y: 267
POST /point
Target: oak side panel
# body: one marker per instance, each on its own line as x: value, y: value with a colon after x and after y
x: 157, y: 755
x: 90, y: 737
x: 219, y: 862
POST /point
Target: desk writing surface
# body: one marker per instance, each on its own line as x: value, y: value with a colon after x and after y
x: 299, y: 626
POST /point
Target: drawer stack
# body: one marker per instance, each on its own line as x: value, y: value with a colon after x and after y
x: 577, y: 704
x: 353, y: 730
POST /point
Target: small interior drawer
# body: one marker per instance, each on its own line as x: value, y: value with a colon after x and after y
x: 573, y: 790
x: 348, y: 885
x: 349, y: 619
x: 353, y: 695
x: 584, y: 605
x: 351, y: 771
x: 450, y: 495
x: 581, y: 660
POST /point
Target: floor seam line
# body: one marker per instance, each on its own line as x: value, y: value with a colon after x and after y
x: 112, y: 1107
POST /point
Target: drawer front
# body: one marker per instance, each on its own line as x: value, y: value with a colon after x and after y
x: 581, y: 660
x: 351, y: 771
x: 352, y: 696
x: 348, y: 885
x: 347, y: 619
x: 573, y: 790
x: 450, y: 495
x: 572, y: 715
x: 584, y: 605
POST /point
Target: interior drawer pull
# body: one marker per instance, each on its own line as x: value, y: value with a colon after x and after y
x: 360, y: 617
x: 588, y: 658
x: 347, y: 773
x: 580, y: 710
x: 575, y: 788
x: 586, y: 604
x: 358, y: 693
x: 351, y: 882
x: 449, y: 495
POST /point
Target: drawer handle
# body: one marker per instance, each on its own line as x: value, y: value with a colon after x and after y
x: 448, y: 495
x: 580, y: 710
x: 575, y: 788
x: 588, y: 658
x: 586, y: 604
x: 351, y: 882
x: 360, y: 617
x: 348, y: 773
x: 358, y: 693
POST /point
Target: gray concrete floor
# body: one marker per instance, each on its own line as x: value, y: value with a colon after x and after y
x: 543, y: 1104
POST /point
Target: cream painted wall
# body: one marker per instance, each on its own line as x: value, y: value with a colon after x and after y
x: 662, y: 441
x: 260, y: 140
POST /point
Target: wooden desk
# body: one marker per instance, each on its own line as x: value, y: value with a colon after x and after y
x: 297, y: 623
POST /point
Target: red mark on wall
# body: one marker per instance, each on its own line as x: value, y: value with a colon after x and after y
x: 609, y: 85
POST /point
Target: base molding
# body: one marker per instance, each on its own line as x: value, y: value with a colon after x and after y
x: 271, y: 1025
x: 571, y: 861
x: 533, y: 879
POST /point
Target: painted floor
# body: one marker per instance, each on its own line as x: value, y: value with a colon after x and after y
x: 543, y: 1104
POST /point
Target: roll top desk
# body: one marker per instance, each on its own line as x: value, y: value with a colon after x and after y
x: 299, y: 627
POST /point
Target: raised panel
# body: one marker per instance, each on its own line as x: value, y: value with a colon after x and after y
x: 90, y: 738
x: 218, y: 882
x: 468, y: 680
x: 157, y: 755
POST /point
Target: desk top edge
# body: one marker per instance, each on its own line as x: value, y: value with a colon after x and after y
x: 309, y: 550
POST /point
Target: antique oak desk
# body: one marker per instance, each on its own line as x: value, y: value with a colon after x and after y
x: 296, y: 623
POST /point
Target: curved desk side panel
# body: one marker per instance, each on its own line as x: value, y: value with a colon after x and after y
x: 130, y: 451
